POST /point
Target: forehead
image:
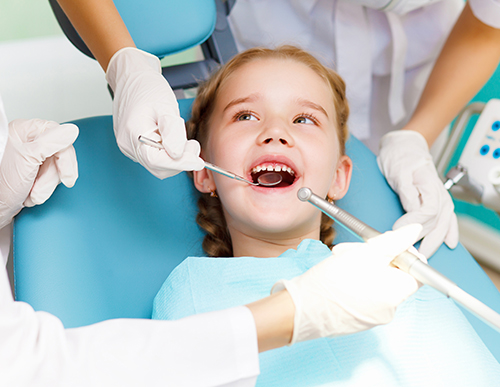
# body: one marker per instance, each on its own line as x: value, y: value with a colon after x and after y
x: 285, y: 77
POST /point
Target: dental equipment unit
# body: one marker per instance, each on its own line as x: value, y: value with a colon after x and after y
x: 476, y: 177
x: 269, y: 179
x: 406, y: 261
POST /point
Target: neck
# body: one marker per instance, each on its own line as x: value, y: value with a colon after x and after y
x: 245, y: 245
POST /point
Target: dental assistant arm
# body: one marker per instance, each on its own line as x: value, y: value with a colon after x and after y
x: 468, y: 59
x: 144, y: 103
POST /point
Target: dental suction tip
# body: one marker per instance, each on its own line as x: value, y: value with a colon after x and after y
x: 304, y: 194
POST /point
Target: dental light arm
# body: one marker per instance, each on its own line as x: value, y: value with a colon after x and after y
x: 407, y: 261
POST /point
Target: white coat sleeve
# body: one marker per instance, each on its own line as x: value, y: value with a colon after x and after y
x: 213, y: 349
x: 488, y: 11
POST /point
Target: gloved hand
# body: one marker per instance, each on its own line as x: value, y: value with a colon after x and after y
x: 353, y: 290
x: 407, y: 165
x: 38, y: 156
x: 144, y: 104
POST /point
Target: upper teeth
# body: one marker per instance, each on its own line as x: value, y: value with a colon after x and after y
x: 271, y: 168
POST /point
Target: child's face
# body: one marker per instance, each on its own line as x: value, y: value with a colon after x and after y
x: 277, y: 113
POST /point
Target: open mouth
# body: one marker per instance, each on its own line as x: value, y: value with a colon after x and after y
x: 284, y: 172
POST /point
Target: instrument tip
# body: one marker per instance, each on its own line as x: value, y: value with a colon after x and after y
x: 304, y: 194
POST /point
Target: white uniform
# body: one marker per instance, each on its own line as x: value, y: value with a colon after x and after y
x: 385, y: 57
x: 214, y: 349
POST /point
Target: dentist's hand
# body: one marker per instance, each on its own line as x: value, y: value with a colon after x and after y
x: 39, y: 155
x: 144, y: 104
x: 405, y: 161
x: 355, y: 289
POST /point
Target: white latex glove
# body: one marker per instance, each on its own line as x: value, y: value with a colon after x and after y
x: 407, y: 165
x: 355, y: 289
x: 39, y: 155
x: 144, y: 104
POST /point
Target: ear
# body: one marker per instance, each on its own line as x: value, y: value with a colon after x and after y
x: 204, y: 181
x: 340, y: 183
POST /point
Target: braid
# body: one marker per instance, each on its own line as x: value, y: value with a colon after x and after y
x: 327, y: 232
x: 217, y: 241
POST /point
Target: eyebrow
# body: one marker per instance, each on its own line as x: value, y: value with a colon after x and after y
x: 312, y: 105
x: 254, y: 96
x: 238, y: 101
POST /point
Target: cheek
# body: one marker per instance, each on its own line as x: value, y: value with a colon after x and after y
x: 323, y: 160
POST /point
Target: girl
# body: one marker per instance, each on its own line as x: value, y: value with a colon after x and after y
x: 280, y: 111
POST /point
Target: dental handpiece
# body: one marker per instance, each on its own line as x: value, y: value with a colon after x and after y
x: 406, y: 261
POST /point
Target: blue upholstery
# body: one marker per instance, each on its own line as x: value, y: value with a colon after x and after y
x: 103, y: 248
x: 152, y: 24
x: 160, y: 27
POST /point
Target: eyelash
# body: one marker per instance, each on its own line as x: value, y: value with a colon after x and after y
x: 307, y: 115
x: 241, y: 113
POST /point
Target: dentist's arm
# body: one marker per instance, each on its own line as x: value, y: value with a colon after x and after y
x: 468, y: 59
x: 144, y: 103
x: 36, y: 350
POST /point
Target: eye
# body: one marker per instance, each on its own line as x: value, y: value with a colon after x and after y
x: 245, y: 116
x: 305, y: 119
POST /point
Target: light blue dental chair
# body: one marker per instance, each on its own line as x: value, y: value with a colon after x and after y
x: 103, y: 248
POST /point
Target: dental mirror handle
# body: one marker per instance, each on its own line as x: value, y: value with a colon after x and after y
x: 231, y: 175
x: 406, y: 261
x: 212, y: 167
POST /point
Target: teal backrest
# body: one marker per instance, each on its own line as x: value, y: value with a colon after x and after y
x: 161, y: 27
x: 152, y: 24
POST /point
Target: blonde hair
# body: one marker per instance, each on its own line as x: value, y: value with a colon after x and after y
x: 217, y: 242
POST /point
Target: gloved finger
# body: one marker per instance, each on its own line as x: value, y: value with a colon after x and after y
x: 159, y: 163
x: 404, y: 283
x: 435, y: 238
x: 45, y: 183
x: 418, y: 254
x: 446, y: 231
x: 452, y: 237
x: 427, y: 221
x: 173, y: 134
x: 408, y: 193
x: 390, y: 244
x: 52, y: 138
x: 342, y: 248
x: 67, y: 166
x: 401, y: 181
x: 431, y: 243
x: 193, y: 147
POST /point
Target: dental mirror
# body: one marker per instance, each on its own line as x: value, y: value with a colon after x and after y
x: 268, y: 179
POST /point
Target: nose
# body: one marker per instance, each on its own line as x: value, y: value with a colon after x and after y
x: 275, y: 132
